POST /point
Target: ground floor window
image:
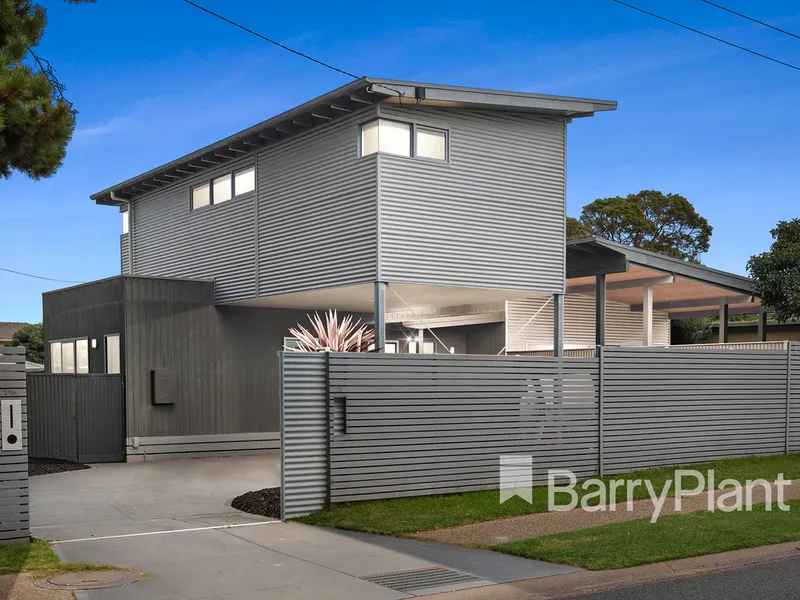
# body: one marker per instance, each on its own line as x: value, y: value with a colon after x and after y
x: 112, y: 354
x: 69, y: 356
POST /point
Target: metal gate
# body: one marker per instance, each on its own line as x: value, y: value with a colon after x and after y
x: 76, y: 417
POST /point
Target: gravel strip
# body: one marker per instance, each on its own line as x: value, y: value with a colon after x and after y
x: 266, y: 502
x: 48, y: 466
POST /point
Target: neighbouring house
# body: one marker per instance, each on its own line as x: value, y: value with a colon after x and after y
x: 7, y: 331
x: 749, y: 331
x: 435, y: 212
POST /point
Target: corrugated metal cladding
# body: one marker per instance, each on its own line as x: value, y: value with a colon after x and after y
x: 423, y: 425
x: 14, y: 503
x: 92, y: 310
x: 225, y: 360
x: 493, y: 217
x: 214, y: 242
x: 124, y: 255
x: 304, y: 433
x: 674, y: 406
x: 317, y: 210
x: 794, y: 397
x: 623, y: 327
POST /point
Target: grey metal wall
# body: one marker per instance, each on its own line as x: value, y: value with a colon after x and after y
x: 410, y: 425
x: 318, y: 210
x: 309, y: 224
x: 124, y: 255
x: 304, y: 433
x: 422, y: 425
x: 76, y: 417
x: 214, y: 242
x: 668, y: 406
x: 14, y: 503
x: 91, y: 310
x: 493, y: 217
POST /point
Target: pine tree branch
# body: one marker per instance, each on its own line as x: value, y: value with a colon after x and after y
x: 46, y: 68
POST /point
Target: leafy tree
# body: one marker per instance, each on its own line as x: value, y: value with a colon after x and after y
x: 31, y: 336
x: 36, y: 121
x: 691, y: 330
x: 650, y: 220
x: 576, y: 230
x: 776, y: 273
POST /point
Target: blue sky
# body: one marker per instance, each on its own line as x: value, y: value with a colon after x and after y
x: 154, y: 80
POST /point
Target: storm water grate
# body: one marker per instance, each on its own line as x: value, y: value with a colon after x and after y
x: 417, y: 579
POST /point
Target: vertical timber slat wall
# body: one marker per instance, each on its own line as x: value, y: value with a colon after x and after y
x: 14, y: 505
x: 304, y: 433
x: 422, y: 425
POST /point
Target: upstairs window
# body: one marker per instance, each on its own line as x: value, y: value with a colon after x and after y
x: 224, y: 187
x: 381, y: 135
x: 403, y: 139
x: 431, y: 143
x: 125, y: 222
x: 201, y: 196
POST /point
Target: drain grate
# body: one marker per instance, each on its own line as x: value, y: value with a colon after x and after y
x: 418, y: 579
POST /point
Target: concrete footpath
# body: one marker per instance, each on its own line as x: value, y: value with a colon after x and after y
x: 498, y: 531
x: 595, y: 582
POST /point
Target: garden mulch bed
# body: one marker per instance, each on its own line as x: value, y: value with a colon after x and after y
x: 266, y: 502
x: 48, y: 466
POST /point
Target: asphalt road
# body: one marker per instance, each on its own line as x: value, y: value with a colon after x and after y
x: 778, y: 580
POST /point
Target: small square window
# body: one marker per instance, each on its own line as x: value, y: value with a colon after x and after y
x: 431, y: 143
x: 222, y: 189
x: 201, y: 196
x: 244, y: 181
x: 428, y: 348
x: 381, y: 135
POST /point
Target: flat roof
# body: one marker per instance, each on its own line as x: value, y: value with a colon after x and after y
x: 337, y: 103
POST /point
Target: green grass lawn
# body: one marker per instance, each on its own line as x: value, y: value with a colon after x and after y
x: 38, y: 558
x: 406, y: 515
x: 673, y: 537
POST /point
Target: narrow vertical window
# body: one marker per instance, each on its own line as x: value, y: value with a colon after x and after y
x: 67, y: 357
x: 201, y: 196
x: 55, y: 357
x: 82, y: 356
x: 222, y: 189
x: 112, y: 354
x: 125, y: 222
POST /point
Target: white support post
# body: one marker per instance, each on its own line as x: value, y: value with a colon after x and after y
x: 647, y: 316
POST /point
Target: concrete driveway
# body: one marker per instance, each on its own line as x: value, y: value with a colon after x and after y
x: 171, y: 520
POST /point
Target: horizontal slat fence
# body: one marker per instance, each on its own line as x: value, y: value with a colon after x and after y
x: 438, y: 424
x: 674, y: 406
x: 367, y: 426
x: 14, y: 503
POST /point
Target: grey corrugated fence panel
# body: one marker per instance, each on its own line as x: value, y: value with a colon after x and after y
x: 304, y: 433
x: 739, y: 346
x: 673, y: 406
x: 421, y: 425
x: 77, y: 417
x: 450, y: 224
x: 794, y: 397
x: 14, y: 498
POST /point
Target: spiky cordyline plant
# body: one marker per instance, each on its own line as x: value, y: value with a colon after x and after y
x: 347, y: 336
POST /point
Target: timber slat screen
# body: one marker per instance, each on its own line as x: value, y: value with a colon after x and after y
x: 14, y: 505
x: 438, y: 424
x: 369, y: 426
